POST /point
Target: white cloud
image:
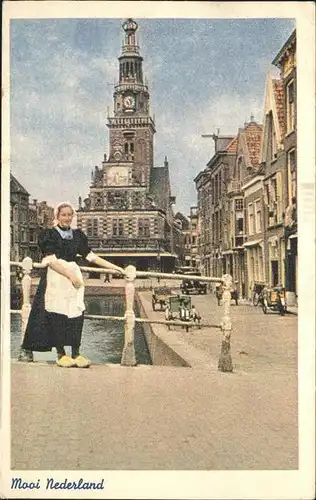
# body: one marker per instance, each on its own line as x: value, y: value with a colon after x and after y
x: 61, y: 93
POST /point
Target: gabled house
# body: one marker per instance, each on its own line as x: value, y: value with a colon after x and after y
x: 273, y: 162
x: 254, y: 232
x: 246, y: 165
x: 211, y: 185
x: 19, y: 220
x: 286, y: 62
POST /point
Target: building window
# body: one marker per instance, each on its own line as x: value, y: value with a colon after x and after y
x: 292, y: 174
x: 146, y: 227
x: 290, y: 106
x: 238, y: 167
x: 95, y: 227
x: 240, y: 225
x: 274, y: 142
x: 143, y: 227
x: 258, y: 216
x: 216, y: 188
x: 239, y: 205
x: 33, y: 238
x: 251, y: 219
x: 137, y: 200
x: 213, y: 229
x: 98, y: 201
x: 121, y: 227
x: 24, y: 236
x: 130, y: 227
x: 115, y: 227
x: 129, y: 150
x: 156, y: 227
x: 89, y: 227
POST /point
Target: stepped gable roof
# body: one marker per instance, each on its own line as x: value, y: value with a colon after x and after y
x: 253, y: 134
x: 279, y: 101
x: 16, y: 187
x: 160, y: 186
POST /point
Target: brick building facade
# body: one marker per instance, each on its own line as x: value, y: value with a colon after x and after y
x: 247, y: 195
x: 128, y: 214
x: 26, y: 221
x: 286, y: 62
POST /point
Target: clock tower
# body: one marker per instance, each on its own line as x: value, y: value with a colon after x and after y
x: 128, y: 215
x: 132, y: 128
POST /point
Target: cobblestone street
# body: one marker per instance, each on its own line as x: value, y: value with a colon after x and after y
x: 168, y: 417
x: 259, y: 342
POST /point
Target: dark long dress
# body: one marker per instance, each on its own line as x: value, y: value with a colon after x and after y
x: 46, y: 330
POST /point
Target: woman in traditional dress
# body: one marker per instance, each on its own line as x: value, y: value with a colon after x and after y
x: 56, y: 317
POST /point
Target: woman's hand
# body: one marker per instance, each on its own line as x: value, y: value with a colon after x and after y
x: 76, y: 282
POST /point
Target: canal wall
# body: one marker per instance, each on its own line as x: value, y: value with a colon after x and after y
x: 165, y: 346
x: 158, y: 339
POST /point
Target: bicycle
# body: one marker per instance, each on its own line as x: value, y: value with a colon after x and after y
x: 257, y: 297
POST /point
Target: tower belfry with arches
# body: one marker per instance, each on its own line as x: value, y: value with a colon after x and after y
x: 128, y: 215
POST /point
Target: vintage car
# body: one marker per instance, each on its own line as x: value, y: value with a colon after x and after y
x: 160, y: 296
x: 179, y: 307
x: 190, y: 287
x: 273, y: 299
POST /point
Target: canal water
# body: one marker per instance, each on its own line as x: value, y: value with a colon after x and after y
x: 102, y: 340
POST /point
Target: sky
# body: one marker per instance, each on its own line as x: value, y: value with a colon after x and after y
x: 203, y: 75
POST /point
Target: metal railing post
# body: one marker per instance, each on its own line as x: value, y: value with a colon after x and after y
x: 27, y: 265
x: 128, y: 355
x: 225, y: 363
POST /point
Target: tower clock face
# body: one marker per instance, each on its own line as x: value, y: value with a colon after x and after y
x: 129, y: 101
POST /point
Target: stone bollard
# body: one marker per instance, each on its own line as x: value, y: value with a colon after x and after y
x: 128, y: 355
x: 225, y: 363
x: 27, y: 265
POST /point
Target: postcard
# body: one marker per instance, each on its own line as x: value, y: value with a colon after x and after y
x: 158, y: 250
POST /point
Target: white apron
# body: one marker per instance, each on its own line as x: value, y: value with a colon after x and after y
x: 61, y: 296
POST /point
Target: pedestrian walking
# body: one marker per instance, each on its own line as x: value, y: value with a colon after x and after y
x: 56, y: 317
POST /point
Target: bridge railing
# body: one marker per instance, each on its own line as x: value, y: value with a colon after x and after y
x: 128, y: 355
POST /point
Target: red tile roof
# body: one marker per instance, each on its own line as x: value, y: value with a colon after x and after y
x: 232, y: 146
x: 253, y: 132
x: 279, y: 100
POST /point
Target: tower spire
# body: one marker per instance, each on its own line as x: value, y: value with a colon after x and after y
x: 130, y: 60
x: 130, y: 42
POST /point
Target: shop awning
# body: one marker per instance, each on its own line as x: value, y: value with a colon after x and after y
x: 252, y: 243
x: 227, y: 252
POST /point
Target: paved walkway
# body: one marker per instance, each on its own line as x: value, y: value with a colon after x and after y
x: 162, y: 417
